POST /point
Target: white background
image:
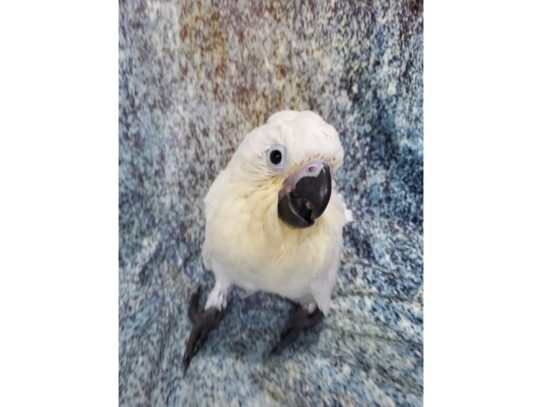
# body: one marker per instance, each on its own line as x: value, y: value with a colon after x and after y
x: 59, y: 203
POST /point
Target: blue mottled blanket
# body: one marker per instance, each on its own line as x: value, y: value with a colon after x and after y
x: 194, y: 79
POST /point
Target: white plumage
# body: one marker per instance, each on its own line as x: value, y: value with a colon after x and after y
x: 247, y: 244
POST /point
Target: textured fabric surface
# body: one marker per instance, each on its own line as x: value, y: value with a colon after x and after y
x: 194, y: 79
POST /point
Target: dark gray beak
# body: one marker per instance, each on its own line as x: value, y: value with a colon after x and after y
x: 305, y: 195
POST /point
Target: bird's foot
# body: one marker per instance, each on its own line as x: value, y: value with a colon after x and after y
x: 299, y: 320
x: 203, y: 323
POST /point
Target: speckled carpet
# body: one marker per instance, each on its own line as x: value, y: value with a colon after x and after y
x: 194, y: 79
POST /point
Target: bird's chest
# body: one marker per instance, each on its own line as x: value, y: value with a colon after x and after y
x: 257, y: 260
x: 249, y: 246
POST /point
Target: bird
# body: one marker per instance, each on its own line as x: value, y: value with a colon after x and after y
x: 273, y: 223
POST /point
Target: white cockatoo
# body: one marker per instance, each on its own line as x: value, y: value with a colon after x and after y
x: 274, y: 223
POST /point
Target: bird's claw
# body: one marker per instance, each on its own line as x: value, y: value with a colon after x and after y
x: 299, y: 320
x: 203, y: 322
x: 289, y: 335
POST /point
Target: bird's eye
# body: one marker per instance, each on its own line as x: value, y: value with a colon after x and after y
x: 276, y: 157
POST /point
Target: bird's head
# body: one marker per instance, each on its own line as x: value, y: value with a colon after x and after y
x: 292, y: 157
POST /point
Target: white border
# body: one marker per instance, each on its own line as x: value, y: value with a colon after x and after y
x: 483, y: 203
x: 58, y: 206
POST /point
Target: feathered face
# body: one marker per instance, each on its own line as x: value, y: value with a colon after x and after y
x: 299, y: 152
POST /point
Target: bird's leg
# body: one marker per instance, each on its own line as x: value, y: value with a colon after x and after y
x: 301, y: 318
x: 204, y: 321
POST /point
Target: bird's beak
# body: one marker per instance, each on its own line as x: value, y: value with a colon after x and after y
x: 305, y: 194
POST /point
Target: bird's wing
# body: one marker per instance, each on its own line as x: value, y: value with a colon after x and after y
x: 324, y: 281
x: 206, y: 256
x: 348, y: 215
